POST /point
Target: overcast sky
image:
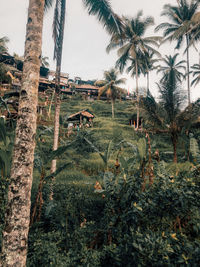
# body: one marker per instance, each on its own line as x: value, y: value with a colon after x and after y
x: 85, y: 40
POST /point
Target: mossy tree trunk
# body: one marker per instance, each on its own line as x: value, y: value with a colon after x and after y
x: 17, y: 217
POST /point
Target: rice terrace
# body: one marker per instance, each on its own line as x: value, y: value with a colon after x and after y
x: 99, y: 133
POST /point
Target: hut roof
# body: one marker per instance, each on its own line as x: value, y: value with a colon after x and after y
x: 83, y: 113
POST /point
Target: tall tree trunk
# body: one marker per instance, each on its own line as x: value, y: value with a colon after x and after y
x: 137, y: 94
x: 147, y: 82
x: 112, y: 103
x: 56, y: 128
x: 17, y: 216
x: 174, y: 139
x: 57, y: 83
x: 188, y: 69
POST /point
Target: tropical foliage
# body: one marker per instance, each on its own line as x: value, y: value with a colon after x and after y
x: 178, y: 28
x: 170, y: 63
x: 110, y: 86
x: 134, y: 47
x: 118, y: 197
x: 196, y: 74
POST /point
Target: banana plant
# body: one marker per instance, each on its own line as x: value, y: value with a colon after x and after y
x: 106, y: 155
x: 41, y: 161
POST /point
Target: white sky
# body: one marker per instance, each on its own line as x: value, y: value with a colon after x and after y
x: 85, y: 40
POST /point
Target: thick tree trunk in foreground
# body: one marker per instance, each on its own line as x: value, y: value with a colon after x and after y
x: 17, y: 217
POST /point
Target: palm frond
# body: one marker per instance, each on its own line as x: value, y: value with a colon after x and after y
x: 48, y: 4
x: 100, y: 83
x: 102, y: 9
x: 58, y: 27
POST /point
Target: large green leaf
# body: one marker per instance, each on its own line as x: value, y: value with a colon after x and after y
x: 142, y: 148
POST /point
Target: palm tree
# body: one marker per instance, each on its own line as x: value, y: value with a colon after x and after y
x: 105, y: 15
x: 110, y: 86
x: 17, y: 216
x: 3, y: 44
x: 180, y: 16
x: 172, y: 67
x: 58, y: 34
x: 149, y: 65
x: 166, y: 116
x: 136, y: 68
x: 196, y: 74
x: 133, y: 45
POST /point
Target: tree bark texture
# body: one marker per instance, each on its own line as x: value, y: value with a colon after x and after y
x: 57, y: 84
x: 56, y: 128
x: 17, y: 217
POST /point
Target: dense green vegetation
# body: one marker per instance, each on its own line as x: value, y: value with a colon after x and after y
x: 125, y: 191
x: 132, y: 218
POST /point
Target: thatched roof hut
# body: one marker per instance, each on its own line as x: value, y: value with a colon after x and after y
x: 81, y: 115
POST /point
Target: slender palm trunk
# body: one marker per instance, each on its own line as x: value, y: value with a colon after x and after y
x: 113, y: 113
x: 137, y: 94
x: 17, y: 216
x: 52, y: 97
x: 57, y: 84
x: 188, y: 69
x: 147, y: 82
x: 174, y: 143
x: 56, y: 128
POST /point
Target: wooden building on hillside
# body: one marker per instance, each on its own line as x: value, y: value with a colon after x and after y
x: 80, y: 116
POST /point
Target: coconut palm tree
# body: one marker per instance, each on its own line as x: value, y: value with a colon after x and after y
x: 179, y: 27
x: 136, y: 68
x: 172, y: 67
x: 110, y: 86
x: 149, y: 65
x: 167, y: 117
x: 105, y: 15
x: 58, y: 34
x: 17, y: 216
x: 132, y: 44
